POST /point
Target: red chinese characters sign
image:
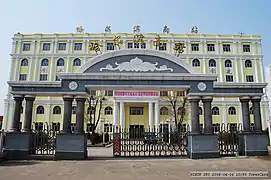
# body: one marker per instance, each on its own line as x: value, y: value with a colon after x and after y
x: 127, y: 93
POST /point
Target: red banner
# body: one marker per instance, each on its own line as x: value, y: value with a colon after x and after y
x: 125, y: 93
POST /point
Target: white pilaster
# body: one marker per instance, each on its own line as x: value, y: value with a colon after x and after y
x: 52, y: 66
x: 86, y: 46
x: 55, y: 45
x: 220, y: 70
x: 38, y: 47
x: 30, y: 70
x: 239, y: 108
x: 12, y: 69
x: 157, y: 115
x: 151, y: 116
x: 33, y: 47
x: 19, y: 47
x: 17, y: 70
x: 262, y: 71
x: 204, y: 65
x: 70, y: 50
x: 115, y: 115
x: 68, y: 64
x: 255, y: 65
x: 266, y: 115
x: 36, y: 70
x: 224, y: 112
x: 122, y: 125
x: 48, y: 110
x: 12, y: 114
x: 236, y: 70
x: 242, y: 69
x: 5, y: 118
x: 14, y: 43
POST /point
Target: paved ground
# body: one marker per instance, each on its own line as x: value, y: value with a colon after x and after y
x: 124, y: 169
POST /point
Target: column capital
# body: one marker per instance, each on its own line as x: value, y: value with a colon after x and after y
x: 18, y: 97
x: 80, y: 98
x: 244, y: 98
x: 194, y: 98
x: 256, y: 98
x: 207, y: 99
x: 67, y: 98
x: 29, y: 98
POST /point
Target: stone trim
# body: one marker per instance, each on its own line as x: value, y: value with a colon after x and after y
x: 123, y: 87
x: 239, y: 85
x: 226, y: 94
x: 33, y: 84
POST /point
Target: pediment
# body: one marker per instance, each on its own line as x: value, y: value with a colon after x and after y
x: 136, y: 61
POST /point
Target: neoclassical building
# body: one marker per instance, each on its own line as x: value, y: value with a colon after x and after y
x: 135, y: 75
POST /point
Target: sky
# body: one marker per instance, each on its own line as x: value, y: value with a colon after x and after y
x: 252, y: 17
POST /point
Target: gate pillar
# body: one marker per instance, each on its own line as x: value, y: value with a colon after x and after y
x: 201, y: 145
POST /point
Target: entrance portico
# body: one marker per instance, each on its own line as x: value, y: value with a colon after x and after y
x: 135, y: 76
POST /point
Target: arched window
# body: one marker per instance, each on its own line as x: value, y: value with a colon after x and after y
x: 40, y: 110
x: 91, y: 110
x: 73, y: 109
x: 181, y: 111
x: 108, y: 110
x: 212, y: 63
x: 24, y: 62
x: 232, y: 110
x: 200, y: 111
x: 77, y: 62
x: 22, y: 110
x: 248, y: 63
x: 215, y: 111
x: 57, y: 110
x: 44, y: 62
x: 60, y: 62
x: 251, y: 110
x: 196, y: 63
x: 164, y: 111
x: 228, y: 63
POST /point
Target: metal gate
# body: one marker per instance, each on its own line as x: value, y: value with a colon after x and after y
x: 148, y: 143
x: 44, y: 142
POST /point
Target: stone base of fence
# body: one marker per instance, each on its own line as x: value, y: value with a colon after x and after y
x: 202, y: 146
x: 71, y: 147
x: 253, y: 144
x: 17, y: 145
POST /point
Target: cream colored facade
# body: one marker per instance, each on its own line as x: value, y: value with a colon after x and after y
x: 234, y: 58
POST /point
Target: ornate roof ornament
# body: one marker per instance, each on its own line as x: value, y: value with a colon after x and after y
x: 95, y: 46
x: 179, y: 48
x: 79, y: 29
x: 166, y: 29
x: 107, y: 29
x: 117, y: 41
x: 194, y: 30
x: 136, y: 29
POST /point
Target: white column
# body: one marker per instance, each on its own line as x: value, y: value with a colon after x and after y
x: 14, y: 43
x: 48, y: 111
x: 236, y: 70
x: 55, y: 46
x: 33, y: 47
x: 157, y: 115
x: 12, y: 114
x: 262, y: 71
x: 52, y: 66
x: 151, y: 116
x: 4, y: 124
x: 115, y: 115
x: 36, y: 70
x: 255, y: 67
x: 204, y: 65
x: 38, y: 47
x: 122, y: 125
x: 220, y: 69
x: 19, y: 47
x: 17, y: 70
x: 68, y: 64
x: 242, y: 69
x: 224, y: 111
x: 86, y: 46
x: 266, y: 115
x: 30, y: 70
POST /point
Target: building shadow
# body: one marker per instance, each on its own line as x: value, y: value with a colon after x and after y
x: 17, y: 163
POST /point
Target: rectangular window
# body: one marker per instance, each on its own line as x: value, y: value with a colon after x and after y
x: 246, y: 48
x: 43, y: 77
x: 249, y: 78
x: 108, y: 93
x: 195, y: 47
x: 61, y: 46
x: 143, y: 46
x: 163, y: 93
x: 109, y: 46
x: 136, y: 45
x: 130, y: 45
x: 136, y: 110
x: 46, y: 46
x: 226, y: 47
x: 78, y: 46
x: 210, y: 47
x: 22, y: 77
x: 26, y: 47
x: 163, y: 47
x: 108, y: 128
x: 229, y: 78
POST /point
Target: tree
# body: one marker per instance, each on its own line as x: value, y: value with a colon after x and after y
x: 178, y: 103
x: 93, y: 113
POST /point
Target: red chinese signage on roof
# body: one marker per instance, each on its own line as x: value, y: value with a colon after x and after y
x: 141, y: 93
